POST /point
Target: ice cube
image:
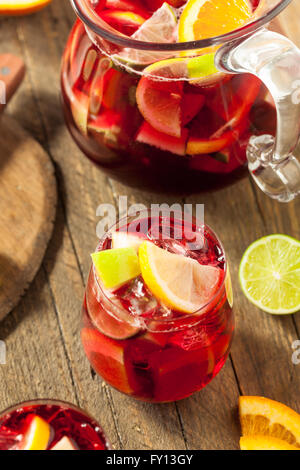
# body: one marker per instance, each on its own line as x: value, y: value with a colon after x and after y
x: 139, y: 299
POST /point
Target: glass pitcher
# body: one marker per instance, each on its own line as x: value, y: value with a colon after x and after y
x: 185, y: 116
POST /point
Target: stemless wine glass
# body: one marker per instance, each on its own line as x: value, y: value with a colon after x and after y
x: 49, y: 425
x: 140, y: 345
x: 227, y: 118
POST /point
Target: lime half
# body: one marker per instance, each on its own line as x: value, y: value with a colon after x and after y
x: 270, y: 274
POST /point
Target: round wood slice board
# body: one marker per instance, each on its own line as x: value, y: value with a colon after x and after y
x: 27, y: 210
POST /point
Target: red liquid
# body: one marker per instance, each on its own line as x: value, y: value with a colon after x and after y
x: 104, y: 118
x: 64, y: 421
x: 170, y: 355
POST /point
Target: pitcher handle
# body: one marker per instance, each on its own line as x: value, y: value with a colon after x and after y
x: 275, y: 60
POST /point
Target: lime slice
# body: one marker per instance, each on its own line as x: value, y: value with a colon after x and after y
x: 176, y: 280
x: 160, y: 28
x: 37, y: 434
x: 270, y: 274
x: 200, y: 70
x: 117, y: 266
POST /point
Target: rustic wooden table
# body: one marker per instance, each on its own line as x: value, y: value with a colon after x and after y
x: 44, y: 354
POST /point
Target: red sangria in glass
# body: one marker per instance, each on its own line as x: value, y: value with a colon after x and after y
x: 49, y: 425
x: 163, y: 114
x: 157, y: 313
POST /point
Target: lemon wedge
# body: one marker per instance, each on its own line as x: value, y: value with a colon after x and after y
x: 177, y: 281
x: 37, y: 435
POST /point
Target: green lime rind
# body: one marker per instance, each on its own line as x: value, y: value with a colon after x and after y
x: 201, y: 66
x: 117, y: 266
x: 269, y: 274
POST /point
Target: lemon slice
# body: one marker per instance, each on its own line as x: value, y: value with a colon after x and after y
x: 160, y: 28
x: 37, y: 435
x: 270, y: 274
x: 264, y: 443
x: 265, y: 417
x: 177, y: 281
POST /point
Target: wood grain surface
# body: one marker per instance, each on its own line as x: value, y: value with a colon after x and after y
x: 27, y: 210
x: 44, y: 354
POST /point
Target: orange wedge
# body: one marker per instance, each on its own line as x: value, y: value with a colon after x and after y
x: 21, y: 7
x: 203, y: 19
x: 264, y: 443
x: 265, y: 417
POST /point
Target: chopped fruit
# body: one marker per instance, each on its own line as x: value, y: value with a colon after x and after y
x: 192, y: 103
x: 203, y: 19
x: 173, y: 364
x: 160, y: 104
x: 226, y: 161
x: 159, y: 28
x: 228, y: 287
x: 117, y: 90
x: 199, y: 70
x: 234, y: 99
x: 221, y: 156
x: 126, y: 240
x: 127, y: 5
x: 64, y: 444
x: 127, y: 22
x: 153, y: 5
x: 264, y: 443
x: 21, y: 7
x: 148, y: 135
x: 36, y: 435
x: 265, y: 417
x: 112, y: 82
x: 112, y: 326
x: 137, y: 359
x: 204, y: 139
x: 97, y: 85
x: 107, y: 357
x: 117, y: 266
x: 76, y: 60
x: 270, y: 276
x: 107, y: 125
x: 179, y: 282
x: 80, y: 110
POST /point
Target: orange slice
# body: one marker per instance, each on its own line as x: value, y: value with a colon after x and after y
x: 177, y: 281
x: 264, y: 443
x: 21, y: 7
x: 265, y: 417
x: 208, y: 18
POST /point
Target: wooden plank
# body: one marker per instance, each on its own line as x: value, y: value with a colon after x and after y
x: 83, y: 188
x: 35, y: 350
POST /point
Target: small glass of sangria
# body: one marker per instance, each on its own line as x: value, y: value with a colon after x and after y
x: 49, y: 425
x: 157, y: 314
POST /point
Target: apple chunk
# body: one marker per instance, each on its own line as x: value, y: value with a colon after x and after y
x: 65, y: 444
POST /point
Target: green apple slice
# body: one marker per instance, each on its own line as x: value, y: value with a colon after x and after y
x: 117, y: 266
x: 65, y: 444
x: 126, y: 240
